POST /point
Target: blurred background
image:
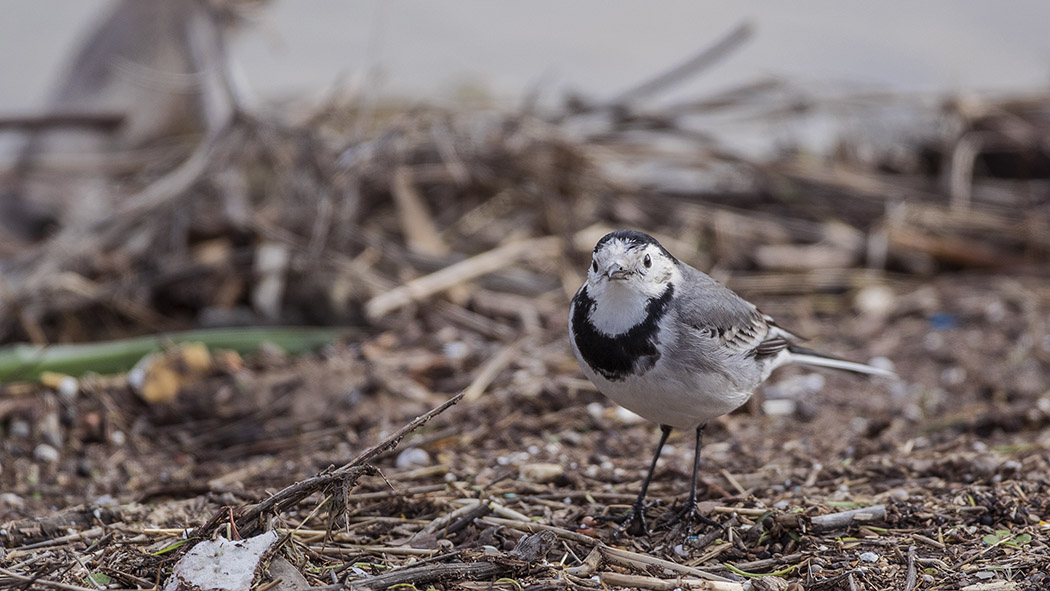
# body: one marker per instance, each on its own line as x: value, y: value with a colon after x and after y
x: 433, y: 51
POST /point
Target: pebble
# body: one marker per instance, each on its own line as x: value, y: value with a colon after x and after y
x: 11, y: 500
x: 456, y: 350
x: 20, y: 428
x: 953, y: 376
x: 627, y: 417
x: 46, y: 453
x: 1010, y: 466
x: 412, y: 457
x: 571, y: 437
x: 875, y: 300
x: 933, y: 341
x: 779, y: 407
x: 541, y: 472
x: 869, y: 557
x: 50, y: 429
x: 899, y: 494
x: 68, y: 387
x: 882, y: 362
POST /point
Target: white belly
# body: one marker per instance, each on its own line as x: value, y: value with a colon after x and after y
x: 661, y: 398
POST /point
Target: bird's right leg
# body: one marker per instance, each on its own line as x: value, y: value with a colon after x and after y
x: 634, y: 522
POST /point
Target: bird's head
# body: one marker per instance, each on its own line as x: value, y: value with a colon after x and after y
x: 632, y: 261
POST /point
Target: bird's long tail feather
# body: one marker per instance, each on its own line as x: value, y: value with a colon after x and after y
x: 808, y: 357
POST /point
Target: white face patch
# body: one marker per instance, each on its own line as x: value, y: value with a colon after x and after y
x: 621, y: 280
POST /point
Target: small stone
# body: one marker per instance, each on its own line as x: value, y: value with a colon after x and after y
x: 412, y: 457
x: 953, y: 376
x: 899, y: 494
x: 882, y: 362
x: 869, y: 557
x: 46, y: 453
x: 20, y: 428
x: 11, y: 500
x: 875, y: 300
x: 456, y: 350
x: 779, y: 407
x: 1010, y: 466
x: 68, y: 388
x: 541, y: 472
x: 627, y: 417
x: 50, y: 429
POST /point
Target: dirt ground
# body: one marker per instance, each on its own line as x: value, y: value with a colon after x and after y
x: 956, y: 453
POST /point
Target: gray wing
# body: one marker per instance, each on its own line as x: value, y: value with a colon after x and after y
x: 734, y: 324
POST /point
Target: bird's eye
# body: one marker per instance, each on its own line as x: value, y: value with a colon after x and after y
x: 647, y: 261
x: 594, y: 265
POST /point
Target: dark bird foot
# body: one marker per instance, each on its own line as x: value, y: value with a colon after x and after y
x: 690, y: 513
x: 632, y: 522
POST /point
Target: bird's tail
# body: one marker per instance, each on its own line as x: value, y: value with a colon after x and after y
x: 810, y: 357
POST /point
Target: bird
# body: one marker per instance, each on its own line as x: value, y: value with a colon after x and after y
x: 670, y: 343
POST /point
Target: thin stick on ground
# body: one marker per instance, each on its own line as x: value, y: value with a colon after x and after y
x: 458, y: 273
x: 43, y: 582
x: 614, y: 579
x: 346, y: 475
x: 845, y: 518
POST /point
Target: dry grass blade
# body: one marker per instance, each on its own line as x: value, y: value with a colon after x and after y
x: 641, y: 582
x: 461, y: 272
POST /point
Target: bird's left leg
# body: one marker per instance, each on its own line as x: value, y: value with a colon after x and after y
x: 690, y: 511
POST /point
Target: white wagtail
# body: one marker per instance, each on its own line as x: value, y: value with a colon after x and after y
x: 673, y: 345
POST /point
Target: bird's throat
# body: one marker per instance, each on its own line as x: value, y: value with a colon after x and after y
x: 618, y: 308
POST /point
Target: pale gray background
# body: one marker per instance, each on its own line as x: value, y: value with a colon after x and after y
x: 427, y: 49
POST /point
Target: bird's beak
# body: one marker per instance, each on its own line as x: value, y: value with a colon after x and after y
x: 617, y: 271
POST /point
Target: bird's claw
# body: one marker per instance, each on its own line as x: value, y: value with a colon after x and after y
x: 632, y: 522
x: 690, y: 512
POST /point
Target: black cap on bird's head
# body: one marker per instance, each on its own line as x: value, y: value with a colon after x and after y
x: 633, y: 238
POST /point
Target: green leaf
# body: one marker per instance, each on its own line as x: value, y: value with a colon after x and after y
x: 99, y: 579
x: 174, y: 546
x: 744, y: 573
x: 26, y: 362
x: 991, y: 539
x: 1021, y: 540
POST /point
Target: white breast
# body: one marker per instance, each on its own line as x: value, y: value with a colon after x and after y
x: 617, y: 309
